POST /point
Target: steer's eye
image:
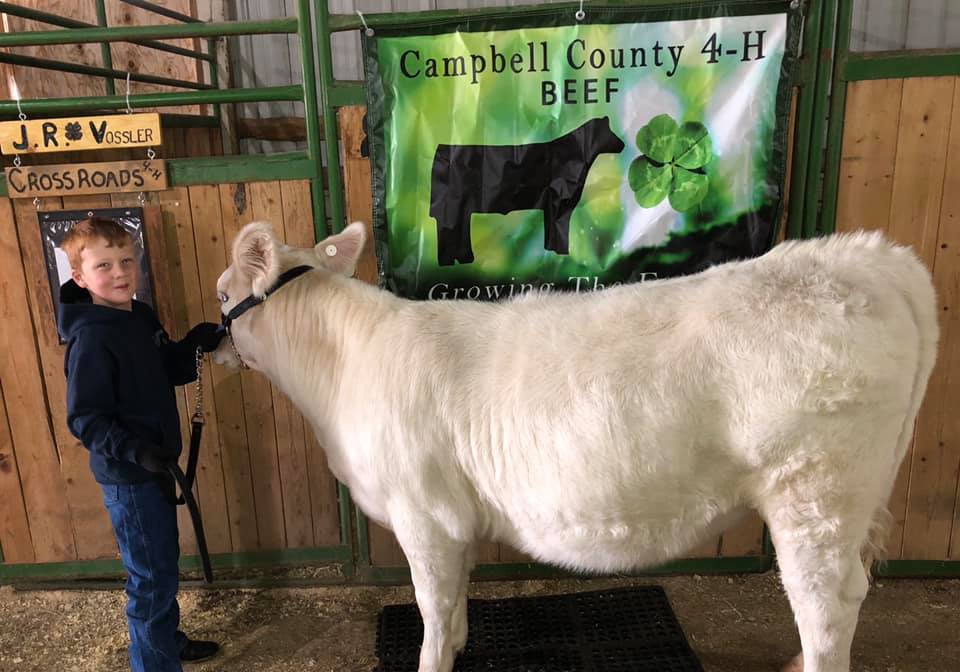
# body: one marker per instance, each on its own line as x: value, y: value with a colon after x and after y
x: 223, y: 298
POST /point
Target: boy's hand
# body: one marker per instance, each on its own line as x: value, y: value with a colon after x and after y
x: 206, y: 336
x: 151, y: 462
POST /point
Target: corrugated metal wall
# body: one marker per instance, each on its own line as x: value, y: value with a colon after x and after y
x: 878, y: 25
x: 889, y: 25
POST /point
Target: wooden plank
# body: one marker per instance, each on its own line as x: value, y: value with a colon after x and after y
x: 292, y: 430
x: 487, y: 551
x: 282, y: 129
x: 931, y: 503
x: 510, y: 554
x: 868, y: 161
x: 914, y: 220
x: 86, y: 178
x: 177, y: 216
x: 45, y: 493
x: 384, y: 549
x: 15, y: 538
x: 870, y: 131
x: 160, y: 264
x: 323, y: 493
x: 950, y: 226
x: 356, y: 184
x: 77, y: 133
x: 743, y: 539
x: 15, y: 542
x: 198, y: 142
x: 708, y: 549
x: 263, y: 203
x: 174, y: 208
x: 91, y: 529
x: 266, y: 204
x: 919, y: 168
x: 227, y: 397
x: 785, y: 206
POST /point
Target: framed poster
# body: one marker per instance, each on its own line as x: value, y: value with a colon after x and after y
x: 54, y: 226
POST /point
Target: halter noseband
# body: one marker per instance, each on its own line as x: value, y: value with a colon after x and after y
x: 253, y: 301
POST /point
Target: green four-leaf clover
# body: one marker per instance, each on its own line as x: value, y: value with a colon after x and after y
x: 672, y: 164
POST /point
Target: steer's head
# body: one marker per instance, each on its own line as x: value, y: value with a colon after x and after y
x: 258, y: 260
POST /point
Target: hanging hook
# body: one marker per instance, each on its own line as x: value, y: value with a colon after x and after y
x: 580, y: 13
x: 367, y: 29
x: 36, y: 204
x: 20, y: 113
x: 129, y: 109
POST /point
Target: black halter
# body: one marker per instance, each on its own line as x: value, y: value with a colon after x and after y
x: 252, y: 301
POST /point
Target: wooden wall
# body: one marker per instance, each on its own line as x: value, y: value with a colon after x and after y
x: 900, y: 173
x: 262, y: 481
x: 35, y: 83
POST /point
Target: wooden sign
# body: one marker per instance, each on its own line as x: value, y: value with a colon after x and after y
x: 78, y: 179
x: 76, y: 133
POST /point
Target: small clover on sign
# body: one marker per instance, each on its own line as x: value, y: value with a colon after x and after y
x: 73, y: 131
x: 672, y: 164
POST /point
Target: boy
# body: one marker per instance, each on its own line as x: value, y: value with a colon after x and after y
x: 121, y: 369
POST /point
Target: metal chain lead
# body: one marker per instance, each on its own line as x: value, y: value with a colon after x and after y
x: 198, y: 406
x: 233, y: 345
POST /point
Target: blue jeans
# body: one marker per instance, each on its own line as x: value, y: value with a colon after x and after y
x: 144, y: 520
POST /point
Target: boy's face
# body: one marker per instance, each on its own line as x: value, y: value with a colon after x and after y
x: 109, y: 273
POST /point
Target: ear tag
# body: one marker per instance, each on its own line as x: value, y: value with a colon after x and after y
x: 331, y: 250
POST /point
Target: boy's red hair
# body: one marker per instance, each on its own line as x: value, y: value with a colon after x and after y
x: 80, y: 235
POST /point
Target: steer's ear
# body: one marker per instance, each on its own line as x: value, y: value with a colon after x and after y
x: 255, y: 256
x: 341, y: 252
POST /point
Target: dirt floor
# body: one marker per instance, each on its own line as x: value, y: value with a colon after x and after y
x: 738, y: 624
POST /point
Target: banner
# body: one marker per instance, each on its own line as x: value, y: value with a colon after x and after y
x: 545, y: 153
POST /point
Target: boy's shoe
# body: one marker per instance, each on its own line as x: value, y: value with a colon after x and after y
x: 196, y: 650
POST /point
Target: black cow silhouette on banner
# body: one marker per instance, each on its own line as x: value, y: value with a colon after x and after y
x: 547, y: 176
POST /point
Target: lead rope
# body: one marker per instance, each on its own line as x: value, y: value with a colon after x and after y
x: 185, y: 481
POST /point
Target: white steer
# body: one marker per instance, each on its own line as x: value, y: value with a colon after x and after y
x: 614, y: 430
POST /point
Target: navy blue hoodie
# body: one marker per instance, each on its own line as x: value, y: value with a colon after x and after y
x: 121, y: 371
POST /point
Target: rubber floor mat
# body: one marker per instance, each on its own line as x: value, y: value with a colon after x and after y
x: 622, y: 630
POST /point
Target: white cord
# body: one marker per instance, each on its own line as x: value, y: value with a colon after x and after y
x: 580, y: 13
x: 367, y: 29
x: 129, y: 109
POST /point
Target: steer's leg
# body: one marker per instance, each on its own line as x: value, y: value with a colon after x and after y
x: 818, y: 550
x: 458, y: 626
x: 436, y: 566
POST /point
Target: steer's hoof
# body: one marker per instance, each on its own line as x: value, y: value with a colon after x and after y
x: 795, y: 665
